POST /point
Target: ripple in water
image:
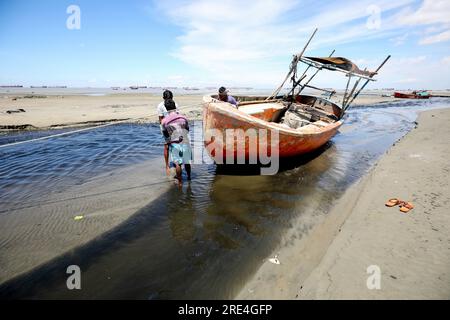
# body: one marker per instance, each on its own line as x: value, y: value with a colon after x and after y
x: 52, y: 165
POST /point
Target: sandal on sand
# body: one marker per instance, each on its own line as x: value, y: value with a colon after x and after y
x: 392, y: 202
x: 406, y: 206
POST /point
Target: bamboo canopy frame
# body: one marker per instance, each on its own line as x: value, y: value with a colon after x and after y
x: 325, y: 63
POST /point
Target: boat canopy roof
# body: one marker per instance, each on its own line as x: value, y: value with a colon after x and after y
x: 422, y: 93
x: 332, y: 63
x: 338, y: 64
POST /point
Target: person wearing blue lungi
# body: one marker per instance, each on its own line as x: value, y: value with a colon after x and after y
x: 175, y: 129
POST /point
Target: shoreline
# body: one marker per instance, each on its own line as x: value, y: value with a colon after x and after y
x: 47, y: 112
x: 331, y: 262
x: 18, y: 113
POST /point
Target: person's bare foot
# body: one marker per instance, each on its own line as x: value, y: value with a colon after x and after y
x: 168, y: 171
x: 178, y: 177
x: 178, y: 183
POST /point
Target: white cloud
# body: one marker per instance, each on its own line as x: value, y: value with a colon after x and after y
x: 440, y: 37
x: 226, y: 31
x: 436, y: 14
x: 399, y: 40
x: 217, y: 31
x: 242, y: 43
x: 430, y: 12
x: 419, y: 72
x: 435, y: 29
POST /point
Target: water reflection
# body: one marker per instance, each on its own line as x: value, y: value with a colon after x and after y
x: 182, y: 222
x: 216, y: 230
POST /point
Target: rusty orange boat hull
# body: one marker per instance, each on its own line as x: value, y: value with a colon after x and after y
x: 218, y: 117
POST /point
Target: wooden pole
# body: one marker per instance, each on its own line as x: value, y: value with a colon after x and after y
x: 351, y: 92
x: 293, y: 65
x: 367, y: 81
x: 320, y: 89
x: 312, y: 77
x: 296, y: 83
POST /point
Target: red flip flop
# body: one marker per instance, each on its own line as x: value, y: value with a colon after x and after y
x: 392, y: 202
x: 406, y: 206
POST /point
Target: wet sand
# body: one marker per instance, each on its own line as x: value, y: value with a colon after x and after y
x: 37, y: 232
x: 411, y: 249
x: 57, y: 111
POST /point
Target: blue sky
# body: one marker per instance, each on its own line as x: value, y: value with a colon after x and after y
x: 210, y: 43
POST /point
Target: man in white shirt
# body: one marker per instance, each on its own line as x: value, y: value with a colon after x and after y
x: 162, y: 112
x: 161, y: 109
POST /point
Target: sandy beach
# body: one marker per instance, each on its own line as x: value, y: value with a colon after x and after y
x: 58, y: 111
x: 410, y: 249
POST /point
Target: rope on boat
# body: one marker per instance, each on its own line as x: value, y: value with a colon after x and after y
x: 29, y: 205
x: 87, y: 129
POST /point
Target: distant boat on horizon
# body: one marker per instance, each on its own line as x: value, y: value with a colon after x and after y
x: 241, y: 88
x: 422, y: 94
x: 138, y: 87
x: 190, y: 88
x: 48, y: 87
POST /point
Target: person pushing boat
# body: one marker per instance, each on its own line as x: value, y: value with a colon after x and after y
x: 175, y: 128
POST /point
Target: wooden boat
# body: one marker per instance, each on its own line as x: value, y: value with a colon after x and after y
x: 413, y: 95
x: 257, y: 113
x: 316, y: 119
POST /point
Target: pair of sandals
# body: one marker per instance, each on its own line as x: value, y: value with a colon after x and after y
x: 405, y: 206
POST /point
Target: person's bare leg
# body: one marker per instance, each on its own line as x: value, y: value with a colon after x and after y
x: 187, y: 167
x: 178, y: 170
x: 166, y: 158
